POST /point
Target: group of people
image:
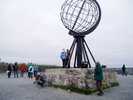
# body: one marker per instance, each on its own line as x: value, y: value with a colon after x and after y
x: 12, y: 68
x: 64, y: 57
x: 20, y: 69
x: 32, y: 70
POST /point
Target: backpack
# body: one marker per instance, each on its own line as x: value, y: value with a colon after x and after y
x: 30, y: 69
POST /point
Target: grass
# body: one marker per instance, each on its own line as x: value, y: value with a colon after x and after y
x: 85, y: 91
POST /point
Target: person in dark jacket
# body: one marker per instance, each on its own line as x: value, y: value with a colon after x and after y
x: 98, y: 75
x: 40, y: 79
x: 15, y: 70
x: 67, y: 58
x: 9, y: 70
x: 124, y: 70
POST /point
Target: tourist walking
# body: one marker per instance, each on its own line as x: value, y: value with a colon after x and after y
x: 15, y: 69
x: 98, y: 75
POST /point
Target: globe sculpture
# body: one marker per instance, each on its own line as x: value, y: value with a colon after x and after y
x: 80, y: 17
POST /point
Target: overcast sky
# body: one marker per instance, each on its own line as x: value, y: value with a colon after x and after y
x: 31, y: 31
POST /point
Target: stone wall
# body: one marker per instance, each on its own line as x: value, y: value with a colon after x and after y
x: 78, y: 77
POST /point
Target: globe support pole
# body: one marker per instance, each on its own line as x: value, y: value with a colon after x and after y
x: 81, y: 53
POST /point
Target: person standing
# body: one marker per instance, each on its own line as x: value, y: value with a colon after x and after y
x: 35, y: 70
x: 63, y: 58
x: 124, y: 70
x: 98, y: 75
x: 9, y: 70
x: 15, y: 69
x: 23, y: 69
x: 30, y: 71
x: 67, y: 58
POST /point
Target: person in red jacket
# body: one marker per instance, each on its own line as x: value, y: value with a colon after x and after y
x: 22, y: 69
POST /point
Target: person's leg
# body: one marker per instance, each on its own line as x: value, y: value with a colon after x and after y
x: 122, y: 73
x: 31, y: 74
x: 35, y: 73
x: 63, y: 63
x: 17, y: 74
x: 125, y: 73
x: 9, y: 74
x: 99, y: 87
x: 28, y: 74
x: 41, y: 83
x: 21, y: 74
x: 14, y: 74
x: 97, y: 84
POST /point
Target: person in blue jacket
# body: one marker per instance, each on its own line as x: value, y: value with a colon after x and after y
x: 63, y: 57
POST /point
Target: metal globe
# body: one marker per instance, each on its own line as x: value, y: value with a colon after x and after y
x: 81, y: 17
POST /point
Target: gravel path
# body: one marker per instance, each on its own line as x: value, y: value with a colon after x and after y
x: 23, y: 89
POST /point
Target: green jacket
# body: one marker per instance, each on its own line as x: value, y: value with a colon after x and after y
x: 98, y: 74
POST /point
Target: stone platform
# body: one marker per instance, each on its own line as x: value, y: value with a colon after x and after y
x: 78, y: 77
